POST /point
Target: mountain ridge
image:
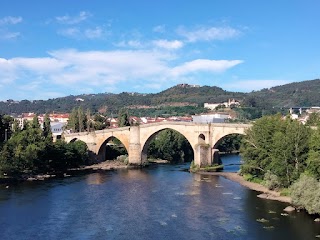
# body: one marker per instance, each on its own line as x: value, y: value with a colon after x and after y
x: 304, y: 93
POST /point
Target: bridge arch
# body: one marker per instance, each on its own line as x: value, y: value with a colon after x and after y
x: 105, y: 138
x: 73, y: 140
x: 201, y: 139
x: 147, y: 132
x: 216, y: 145
x: 102, y: 151
x: 145, y: 146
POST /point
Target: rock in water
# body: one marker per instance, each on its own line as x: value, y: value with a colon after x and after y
x: 289, y: 209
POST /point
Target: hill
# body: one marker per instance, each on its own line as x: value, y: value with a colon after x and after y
x: 304, y: 93
x: 192, y: 97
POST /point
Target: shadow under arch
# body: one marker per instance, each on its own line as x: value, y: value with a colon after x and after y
x: 185, y: 145
x: 229, y: 143
x: 74, y: 139
x: 201, y: 139
x: 111, y: 148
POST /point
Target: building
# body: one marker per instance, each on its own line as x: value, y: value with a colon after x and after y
x: 211, y: 118
x: 230, y: 103
x: 57, y: 129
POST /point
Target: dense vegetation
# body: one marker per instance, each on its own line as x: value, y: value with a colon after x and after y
x: 80, y: 121
x: 170, y: 145
x: 229, y: 144
x: 178, y: 100
x: 283, y: 153
x: 31, y: 151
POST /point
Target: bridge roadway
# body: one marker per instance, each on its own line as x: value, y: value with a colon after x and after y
x: 203, y: 138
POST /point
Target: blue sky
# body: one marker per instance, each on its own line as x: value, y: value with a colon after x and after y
x: 51, y: 49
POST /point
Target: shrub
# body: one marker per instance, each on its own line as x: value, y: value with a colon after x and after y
x: 271, y: 180
x: 123, y: 158
x: 305, y: 194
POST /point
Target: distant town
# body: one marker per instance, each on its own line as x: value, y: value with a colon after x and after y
x: 218, y: 113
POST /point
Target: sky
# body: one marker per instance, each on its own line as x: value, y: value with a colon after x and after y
x: 51, y: 49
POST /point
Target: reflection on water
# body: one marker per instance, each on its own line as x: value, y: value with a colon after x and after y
x: 161, y: 202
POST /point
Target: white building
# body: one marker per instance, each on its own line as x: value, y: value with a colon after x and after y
x: 211, y: 118
x: 57, y: 129
x: 213, y: 106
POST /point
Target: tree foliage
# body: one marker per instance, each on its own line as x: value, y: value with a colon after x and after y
x: 123, y: 118
x: 170, y: 145
x: 229, y: 143
x: 32, y: 150
x: 305, y: 193
x: 276, y: 145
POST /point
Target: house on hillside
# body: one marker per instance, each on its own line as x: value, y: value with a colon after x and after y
x: 230, y: 103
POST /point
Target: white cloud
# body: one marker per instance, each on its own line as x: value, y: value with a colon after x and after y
x: 253, y: 85
x: 70, y: 20
x: 214, y: 66
x: 159, y: 29
x: 10, y: 20
x: 72, y: 69
x: 175, y: 44
x: 208, y: 33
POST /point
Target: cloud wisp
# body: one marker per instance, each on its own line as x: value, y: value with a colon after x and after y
x: 9, y: 20
x: 71, y: 20
x: 5, y: 23
x: 206, y: 33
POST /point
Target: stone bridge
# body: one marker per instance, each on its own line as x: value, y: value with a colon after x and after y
x: 203, y: 139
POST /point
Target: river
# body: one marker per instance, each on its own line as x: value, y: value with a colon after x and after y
x: 158, y: 202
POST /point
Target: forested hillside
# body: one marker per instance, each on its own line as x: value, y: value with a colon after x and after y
x: 304, y: 93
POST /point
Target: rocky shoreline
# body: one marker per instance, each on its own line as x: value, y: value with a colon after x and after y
x: 265, y: 193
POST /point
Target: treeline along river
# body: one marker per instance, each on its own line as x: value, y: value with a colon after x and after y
x: 159, y: 202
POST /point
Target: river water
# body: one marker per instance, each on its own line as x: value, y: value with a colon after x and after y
x: 159, y: 202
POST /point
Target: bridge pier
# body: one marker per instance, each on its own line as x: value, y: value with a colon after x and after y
x: 135, y: 152
x: 216, y: 159
x: 202, y: 155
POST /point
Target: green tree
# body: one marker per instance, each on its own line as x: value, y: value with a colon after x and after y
x: 305, y: 193
x: 123, y: 118
x: 314, y: 119
x: 229, y: 143
x: 99, y: 122
x: 313, y: 160
x: 47, y: 133
x: 170, y: 145
x: 77, y: 120
x: 276, y: 145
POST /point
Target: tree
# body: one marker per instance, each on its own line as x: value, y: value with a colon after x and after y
x: 314, y: 119
x: 77, y: 120
x: 276, y: 145
x: 47, y: 133
x: 170, y: 145
x: 305, y: 193
x: 123, y: 118
x: 82, y: 120
x: 229, y: 143
x: 5, y: 128
x: 313, y: 160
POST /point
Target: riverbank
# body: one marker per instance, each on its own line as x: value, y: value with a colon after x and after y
x: 265, y: 193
